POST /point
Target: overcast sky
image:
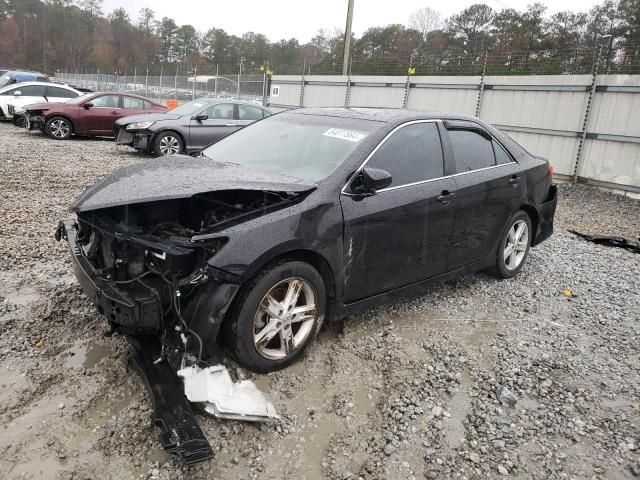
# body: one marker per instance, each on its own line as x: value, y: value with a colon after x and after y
x: 303, y: 18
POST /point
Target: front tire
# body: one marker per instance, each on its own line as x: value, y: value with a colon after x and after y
x: 277, y: 317
x: 58, y: 128
x: 168, y: 143
x: 514, y: 245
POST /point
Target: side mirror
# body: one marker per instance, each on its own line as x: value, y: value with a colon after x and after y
x: 371, y: 179
x: 87, y: 105
x: 200, y: 117
x: 17, y: 93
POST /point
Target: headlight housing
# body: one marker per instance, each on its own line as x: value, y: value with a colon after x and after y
x: 139, y: 125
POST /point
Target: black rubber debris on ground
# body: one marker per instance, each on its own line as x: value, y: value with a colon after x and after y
x: 180, y: 433
x: 610, y: 241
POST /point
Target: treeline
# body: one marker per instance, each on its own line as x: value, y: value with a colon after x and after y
x: 49, y: 35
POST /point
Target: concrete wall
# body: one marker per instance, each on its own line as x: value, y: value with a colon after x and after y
x: 546, y: 114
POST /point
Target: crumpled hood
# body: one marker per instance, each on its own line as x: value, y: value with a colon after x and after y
x: 179, y: 176
x: 42, y: 106
x: 146, y: 117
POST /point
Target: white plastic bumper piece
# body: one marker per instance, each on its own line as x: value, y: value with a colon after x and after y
x: 213, y: 387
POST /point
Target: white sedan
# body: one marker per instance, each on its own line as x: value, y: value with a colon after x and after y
x: 26, y: 93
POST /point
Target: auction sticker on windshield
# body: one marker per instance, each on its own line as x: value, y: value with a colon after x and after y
x: 349, y: 135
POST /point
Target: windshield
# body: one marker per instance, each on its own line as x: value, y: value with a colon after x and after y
x: 306, y: 147
x: 79, y: 99
x: 5, y: 80
x: 189, y: 108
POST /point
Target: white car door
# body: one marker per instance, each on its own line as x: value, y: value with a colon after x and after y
x: 24, y: 94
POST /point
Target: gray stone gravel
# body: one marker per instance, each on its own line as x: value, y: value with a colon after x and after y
x: 476, y: 378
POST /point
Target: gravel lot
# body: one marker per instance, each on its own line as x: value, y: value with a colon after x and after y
x: 478, y: 378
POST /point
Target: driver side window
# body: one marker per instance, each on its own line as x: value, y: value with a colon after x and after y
x: 412, y: 154
x: 106, y: 101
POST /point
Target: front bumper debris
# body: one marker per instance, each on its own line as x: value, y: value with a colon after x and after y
x: 123, y: 137
x: 136, y: 139
x: 222, y: 398
x: 34, y: 122
x: 132, y: 307
x: 179, y: 430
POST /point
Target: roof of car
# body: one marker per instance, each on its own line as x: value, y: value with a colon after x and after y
x: 24, y: 72
x: 47, y: 84
x: 126, y: 94
x: 385, y: 115
x: 214, y: 100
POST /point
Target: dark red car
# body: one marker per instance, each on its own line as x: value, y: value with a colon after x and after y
x: 93, y: 114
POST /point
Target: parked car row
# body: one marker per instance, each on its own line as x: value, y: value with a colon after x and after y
x: 189, y: 127
x: 62, y: 111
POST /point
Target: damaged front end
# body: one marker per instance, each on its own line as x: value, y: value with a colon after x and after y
x: 146, y: 266
x: 34, y: 119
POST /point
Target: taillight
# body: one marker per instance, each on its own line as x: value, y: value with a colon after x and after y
x: 551, y: 170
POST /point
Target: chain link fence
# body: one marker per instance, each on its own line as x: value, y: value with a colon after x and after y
x: 181, y: 87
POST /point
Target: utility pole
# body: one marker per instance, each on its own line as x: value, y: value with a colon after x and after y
x: 347, y: 39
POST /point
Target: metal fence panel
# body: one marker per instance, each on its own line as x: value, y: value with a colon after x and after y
x: 549, y: 102
x: 325, y: 91
x: 379, y: 91
x: 444, y: 94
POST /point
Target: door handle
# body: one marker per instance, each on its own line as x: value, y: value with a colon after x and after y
x: 446, y: 196
x: 230, y: 125
x: 514, y: 180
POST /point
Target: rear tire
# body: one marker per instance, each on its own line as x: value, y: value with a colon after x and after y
x: 168, y: 143
x: 514, y: 246
x: 58, y: 128
x: 277, y: 316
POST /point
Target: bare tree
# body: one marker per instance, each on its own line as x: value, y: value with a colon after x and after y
x: 425, y: 20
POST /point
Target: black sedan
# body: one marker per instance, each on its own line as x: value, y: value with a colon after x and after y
x: 189, y: 127
x: 303, y: 216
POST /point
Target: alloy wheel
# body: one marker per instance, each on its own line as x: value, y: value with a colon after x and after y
x: 169, y: 145
x: 285, y: 318
x: 515, y: 245
x: 59, y: 128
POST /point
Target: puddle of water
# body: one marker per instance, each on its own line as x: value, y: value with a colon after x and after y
x: 263, y: 382
x: 87, y: 356
x: 364, y: 401
x: 158, y: 455
x: 41, y: 468
x: 104, y: 409
x: 317, y: 443
x: 459, y: 407
x: 22, y: 297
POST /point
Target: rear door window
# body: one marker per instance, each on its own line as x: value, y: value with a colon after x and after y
x: 60, y: 92
x: 471, y: 150
x: 502, y: 156
x: 133, y: 103
x: 31, y: 90
x: 412, y: 154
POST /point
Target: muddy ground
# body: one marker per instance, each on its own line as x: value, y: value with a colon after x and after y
x: 477, y: 378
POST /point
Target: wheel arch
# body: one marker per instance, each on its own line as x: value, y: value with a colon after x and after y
x: 152, y: 143
x: 316, y: 260
x: 61, y: 115
x: 534, y: 216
